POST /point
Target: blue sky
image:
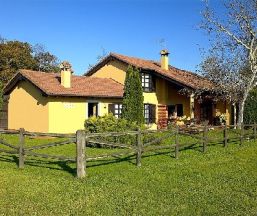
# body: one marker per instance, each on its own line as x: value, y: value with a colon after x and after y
x: 78, y: 30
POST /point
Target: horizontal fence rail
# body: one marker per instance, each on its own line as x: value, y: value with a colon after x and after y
x: 54, y: 144
x: 8, y: 151
x: 3, y: 142
x: 116, y: 154
x: 140, y: 144
x: 63, y: 158
x: 119, y: 145
x: 58, y: 135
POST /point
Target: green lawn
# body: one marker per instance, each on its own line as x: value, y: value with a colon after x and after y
x: 223, y: 181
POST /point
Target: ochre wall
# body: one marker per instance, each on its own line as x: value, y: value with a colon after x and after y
x: 67, y: 115
x: 161, y: 90
x: 27, y: 108
x: 224, y: 108
x: 174, y: 97
x: 113, y: 69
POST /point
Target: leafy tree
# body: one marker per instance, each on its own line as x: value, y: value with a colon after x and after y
x: 15, y: 55
x: 45, y: 61
x: 232, y: 60
x: 250, y: 112
x: 132, y: 108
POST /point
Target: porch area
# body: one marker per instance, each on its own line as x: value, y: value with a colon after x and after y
x: 194, y: 112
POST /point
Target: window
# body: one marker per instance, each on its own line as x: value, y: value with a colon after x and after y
x: 171, y: 111
x: 115, y: 109
x: 180, y: 110
x: 92, y: 109
x: 175, y: 111
x: 149, y: 113
x: 147, y: 82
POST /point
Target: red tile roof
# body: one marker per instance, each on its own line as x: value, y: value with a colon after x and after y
x: 183, y: 77
x: 81, y: 86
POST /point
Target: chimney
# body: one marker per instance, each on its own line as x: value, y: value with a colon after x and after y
x: 165, y: 59
x: 66, y: 72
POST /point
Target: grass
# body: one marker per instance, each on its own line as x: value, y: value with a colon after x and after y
x: 223, y: 181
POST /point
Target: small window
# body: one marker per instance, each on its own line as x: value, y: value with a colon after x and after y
x: 175, y: 111
x: 149, y: 113
x: 180, y: 110
x: 92, y: 109
x: 172, y: 112
x: 147, y: 82
x: 115, y: 109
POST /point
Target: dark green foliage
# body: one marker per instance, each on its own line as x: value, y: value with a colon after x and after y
x: 15, y: 55
x: 133, y: 99
x: 250, y: 112
x: 108, y: 123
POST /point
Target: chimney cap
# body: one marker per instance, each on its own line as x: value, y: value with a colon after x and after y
x: 66, y: 66
x: 165, y: 52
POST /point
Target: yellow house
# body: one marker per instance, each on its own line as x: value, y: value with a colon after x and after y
x: 57, y: 103
x: 162, y: 85
x: 60, y: 102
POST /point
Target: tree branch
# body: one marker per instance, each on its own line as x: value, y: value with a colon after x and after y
x: 224, y: 29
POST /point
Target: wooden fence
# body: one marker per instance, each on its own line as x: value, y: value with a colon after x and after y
x: 84, y: 140
x: 22, y: 150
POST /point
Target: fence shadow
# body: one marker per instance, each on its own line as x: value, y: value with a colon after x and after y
x: 108, y: 161
x: 132, y: 155
x: 52, y: 165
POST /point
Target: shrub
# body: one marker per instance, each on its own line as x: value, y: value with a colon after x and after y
x: 250, y: 112
x: 133, y: 100
x: 108, y: 123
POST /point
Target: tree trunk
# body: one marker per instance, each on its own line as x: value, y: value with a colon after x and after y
x: 235, y: 114
x: 241, y: 111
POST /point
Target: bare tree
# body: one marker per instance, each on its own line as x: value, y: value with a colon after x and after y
x: 99, y: 57
x: 231, y: 62
x: 45, y: 60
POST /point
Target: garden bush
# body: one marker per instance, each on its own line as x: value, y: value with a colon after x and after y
x: 109, y: 123
x: 250, y: 112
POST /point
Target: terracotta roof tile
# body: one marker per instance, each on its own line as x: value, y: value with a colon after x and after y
x: 183, y: 77
x: 81, y: 86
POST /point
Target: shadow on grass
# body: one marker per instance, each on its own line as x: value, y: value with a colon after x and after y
x: 53, y: 165
x: 64, y: 166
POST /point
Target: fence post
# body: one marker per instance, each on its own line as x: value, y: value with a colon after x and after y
x: 205, y: 130
x: 242, y: 134
x: 81, y: 141
x: 176, y: 143
x: 139, y: 147
x: 225, y: 136
x: 254, y: 131
x: 21, y: 148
